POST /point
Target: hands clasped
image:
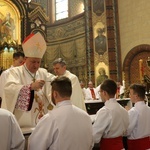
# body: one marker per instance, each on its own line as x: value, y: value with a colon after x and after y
x: 38, y: 84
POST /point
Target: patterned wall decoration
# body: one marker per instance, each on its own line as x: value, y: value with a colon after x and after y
x: 38, y: 20
x: 100, y: 41
x: 73, y: 28
x: 43, y: 3
x: 68, y: 41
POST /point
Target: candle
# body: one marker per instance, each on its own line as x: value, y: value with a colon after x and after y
x: 123, y: 83
x: 123, y: 79
x: 141, y: 70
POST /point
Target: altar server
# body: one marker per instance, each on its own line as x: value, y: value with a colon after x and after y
x: 139, y: 115
x: 111, y: 121
x: 66, y: 127
x: 11, y: 135
x: 27, y: 88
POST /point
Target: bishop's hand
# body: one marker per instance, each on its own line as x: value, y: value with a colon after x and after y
x: 38, y: 84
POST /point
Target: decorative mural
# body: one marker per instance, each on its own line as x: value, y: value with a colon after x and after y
x: 98, y: 7
x: 17, y: 20
x: 68, y: 42
x: 9, y: 32
x: 100, y: 41
x: 9, y: 21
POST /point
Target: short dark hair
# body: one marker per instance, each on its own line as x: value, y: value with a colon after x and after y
x: 59, y: 61
x: 18, y: 54
x: 139, y: 89
x: 62, y: 85
x: 109, y: 86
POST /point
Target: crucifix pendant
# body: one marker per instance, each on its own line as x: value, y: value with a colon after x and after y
x: 33, y: 79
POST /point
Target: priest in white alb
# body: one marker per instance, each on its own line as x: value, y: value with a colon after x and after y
x: 26, y: 92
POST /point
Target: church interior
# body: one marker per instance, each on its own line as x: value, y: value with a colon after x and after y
x: 124, y: 50
x: 98, y: 39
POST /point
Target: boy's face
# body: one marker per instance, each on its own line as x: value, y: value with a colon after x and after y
x: 102, y: 95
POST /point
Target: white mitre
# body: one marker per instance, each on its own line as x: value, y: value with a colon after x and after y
x: 34, y: 45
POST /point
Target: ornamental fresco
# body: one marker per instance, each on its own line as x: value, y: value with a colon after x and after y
x: 9, y: 22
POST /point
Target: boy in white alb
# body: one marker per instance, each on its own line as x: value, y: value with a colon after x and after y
x: 66, y: 127
x: 111, y: 121
x: 139, y: 116
x: 11, y: 135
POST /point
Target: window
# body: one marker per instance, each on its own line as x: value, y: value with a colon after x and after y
x: 61, y: 9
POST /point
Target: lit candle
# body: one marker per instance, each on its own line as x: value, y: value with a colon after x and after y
x: 141, y: 70
x: 123, y: 83
x: 123, y: 77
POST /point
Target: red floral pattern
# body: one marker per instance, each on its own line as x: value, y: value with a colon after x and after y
x: 24, y: 98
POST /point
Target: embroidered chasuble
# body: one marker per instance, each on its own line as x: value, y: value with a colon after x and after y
x: 28, y: 106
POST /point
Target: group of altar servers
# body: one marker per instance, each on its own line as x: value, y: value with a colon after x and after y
x: 92, y: 92
x: 54, y: 106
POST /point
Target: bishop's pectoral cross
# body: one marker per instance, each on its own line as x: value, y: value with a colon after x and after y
x: 33, y: 79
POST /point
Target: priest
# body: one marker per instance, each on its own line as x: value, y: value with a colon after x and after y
x: 77, y: 97
x: 26, y: 92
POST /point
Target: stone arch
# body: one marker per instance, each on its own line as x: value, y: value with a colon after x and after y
x: 131, y: 63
